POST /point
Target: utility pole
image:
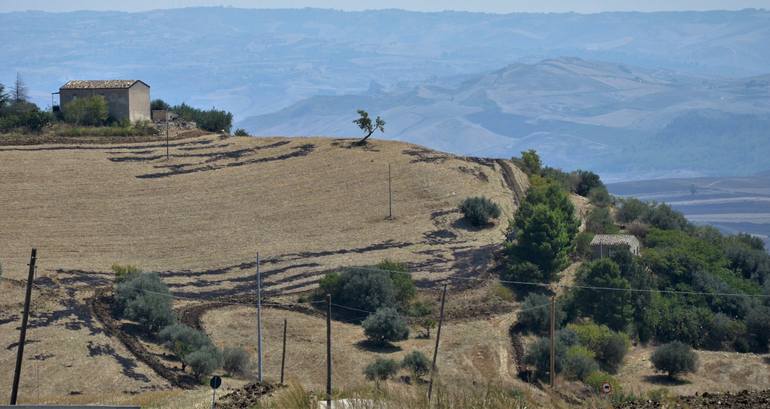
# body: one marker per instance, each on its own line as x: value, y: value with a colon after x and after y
x: 259, y: 322
x: 23, y: 334
x: 553, y: 341
x: 167, y: 126
x: 390, y: 196
x: 438, y: 337
x: 328, y: 351
x: 283, y: 355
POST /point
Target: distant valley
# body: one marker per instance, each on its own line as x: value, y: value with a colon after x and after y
x: 732, y: 204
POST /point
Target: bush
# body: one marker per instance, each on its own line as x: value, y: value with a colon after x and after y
x: 722, y: 332
x: 159, y: 104
x: 615, y: 308
x: 535, y: 313
x: 586, y: 181
x: 90, y: 111
x: 665, y: 217
x: 479, y: 210
x: 204, y: 361
x: 539, y: 353
x: 146, y: 300
x: 579, y: 363
x: 529, y: 163
x: 368, y: 289
x: 598, y: 378
x: 183, y: 340
x: 417, y: 363
x: 609, y: 347
x: 675, y: 358
x: 125, y: 272
x: 211, y: 120
x: 600, y: 197
x: 525, y: 271
x: 381, y: 369
x: 236, y: 361
x: 422, y: 313
x: 758, y: 328
x: 384, y: 326
x: 632, y: 209
x: 583, y: 245
x: 241, y: 132
x: 600, y: 221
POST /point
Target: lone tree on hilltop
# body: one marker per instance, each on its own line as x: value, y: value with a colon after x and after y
x: 366, y: 125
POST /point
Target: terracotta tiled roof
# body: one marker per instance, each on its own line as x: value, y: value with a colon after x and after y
x: 100, y: 84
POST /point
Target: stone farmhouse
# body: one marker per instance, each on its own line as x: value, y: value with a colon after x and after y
x: 126, y: 99
x: 603, y: 245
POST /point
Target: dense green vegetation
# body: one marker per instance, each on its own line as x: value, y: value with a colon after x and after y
x: 384, y: 326
x: 381, y: 369
x: 17, y: 113
x: 692, y: 287
x: 211, y: 120
x: 479, y: 210
x: 370, y: 288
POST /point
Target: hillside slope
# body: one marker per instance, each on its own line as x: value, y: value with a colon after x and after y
x: 305, y: 204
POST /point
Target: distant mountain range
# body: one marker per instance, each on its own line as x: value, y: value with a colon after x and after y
x: 626, y: 122
x: 441, y: 65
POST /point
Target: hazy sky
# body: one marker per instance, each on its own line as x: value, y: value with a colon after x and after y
x: 495, y: 6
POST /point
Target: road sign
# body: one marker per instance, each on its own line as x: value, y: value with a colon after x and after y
x: 606, y: 388
x: 215, y: 382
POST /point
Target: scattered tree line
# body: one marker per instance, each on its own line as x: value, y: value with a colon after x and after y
x: 144, y: 298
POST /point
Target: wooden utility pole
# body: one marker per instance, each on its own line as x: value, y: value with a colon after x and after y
x: 390, y: 196
x: 328, y: 351
x: 23, y: 334
x: 259, y: 322
x: 553, y: 341
x: 167, y: 126
x: 438, y: 338
x: 283, y: 354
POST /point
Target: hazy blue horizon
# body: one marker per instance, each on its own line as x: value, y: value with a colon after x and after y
x: 489, y: 6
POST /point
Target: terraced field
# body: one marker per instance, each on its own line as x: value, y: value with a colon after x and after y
x: 307, y: 205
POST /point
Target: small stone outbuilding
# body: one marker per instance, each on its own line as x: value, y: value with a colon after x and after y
x: 603, y: 245
x: 126, y: 99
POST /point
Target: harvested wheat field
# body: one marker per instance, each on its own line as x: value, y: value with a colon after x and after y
x: 307, y: 205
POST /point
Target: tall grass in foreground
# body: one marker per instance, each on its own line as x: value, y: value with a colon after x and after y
x: 482, y: 397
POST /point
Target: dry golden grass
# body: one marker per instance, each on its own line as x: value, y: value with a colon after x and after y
x: 86, y: 207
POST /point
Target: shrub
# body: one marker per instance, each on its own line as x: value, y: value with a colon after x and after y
x: 211, y: 120
x: 384, y: 326
x: 236, y: 361
x: 479, y: 210
x: 535, y: 313
x: 758, y: 328
x: 614, y: 309
x: 159, y: 104
x: 665, y: 217
x: 367, y: 289
x: 600, y: 221
x: 675, y: 358
x: 529, y: 163
x: 422, y: 313
x: 240, y: 132
x: 539, y: 353
x: 183, y: 340
x: 525, y: 271
x: 583, y: 245
x: 381, y: 369
x: 598, y: 378
x: 146, y: 300
x: 586, y: 181
x: 608, y: 346
x: 579, y: 362
x: 632, y: 209
x: 204, y: 361
x: 90, y: 111
x: 638, y: 229
x: 125, y: 272
x: 600, y: 197
x: 722, y: 332
x: 417, y: 363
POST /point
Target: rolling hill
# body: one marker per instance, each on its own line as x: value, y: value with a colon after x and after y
x: 625, y: 122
